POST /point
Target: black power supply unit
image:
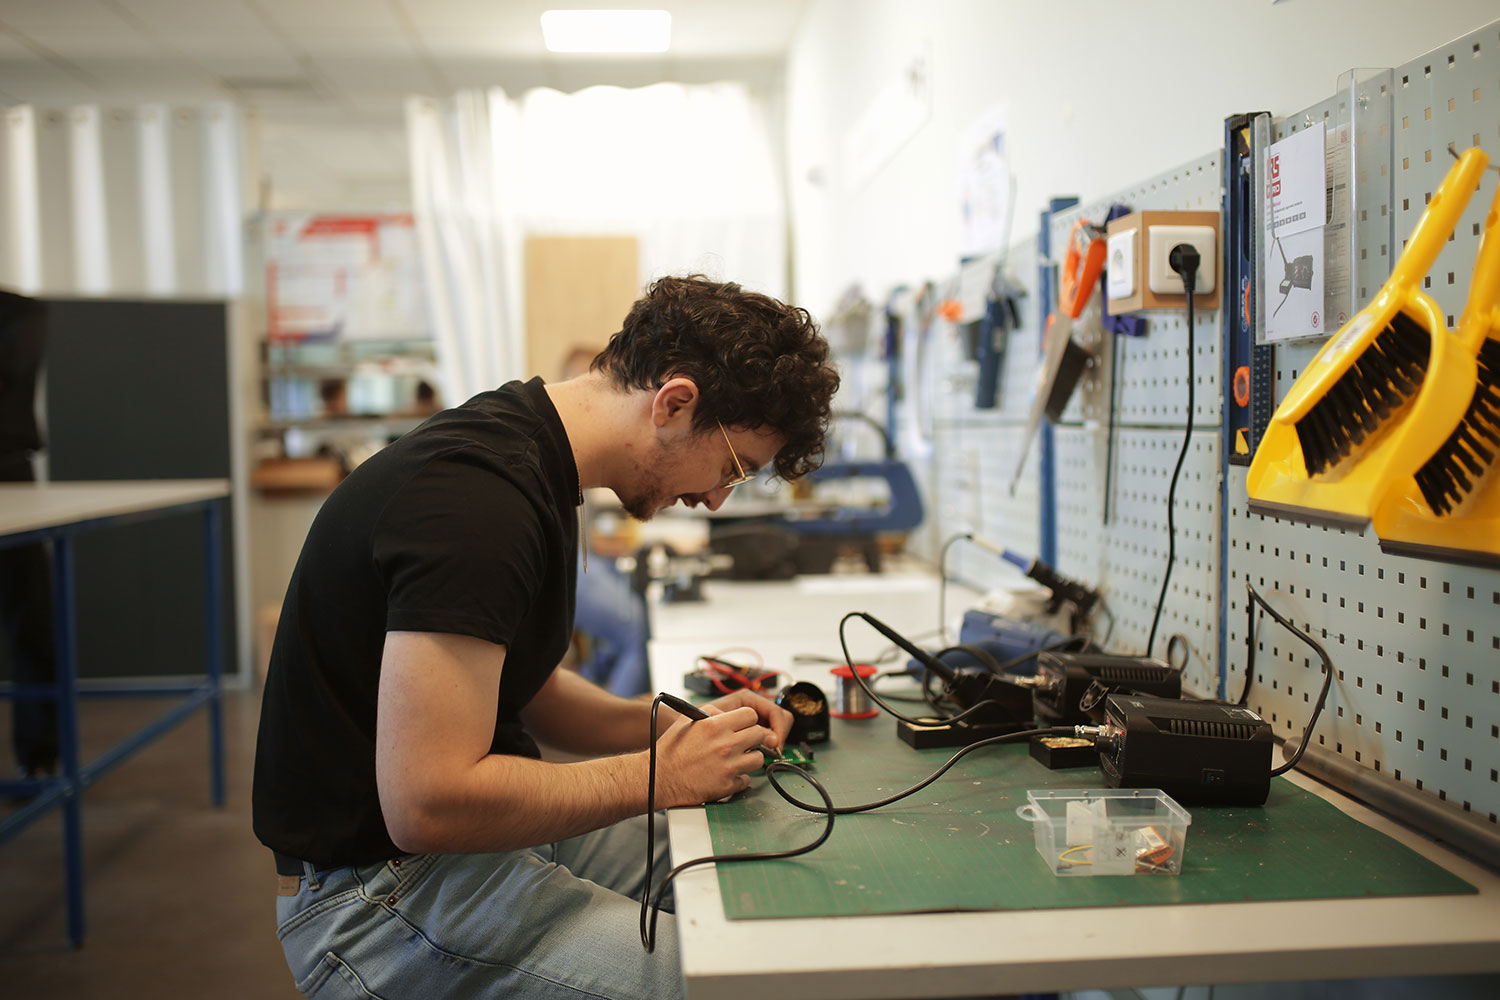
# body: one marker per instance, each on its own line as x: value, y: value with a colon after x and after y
x: 1195, y: 751
x: 1070, y: 687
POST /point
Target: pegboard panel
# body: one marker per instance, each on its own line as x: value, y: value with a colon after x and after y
x: 1151, y: 374
x: 957, y: 373
x: 1194, y: 187
x: 1450, y: 97
x: 976, y: 463
x: 955, y: 380
x: 1023, y: 351
x: 977, y: 452
x: 1127, y: 553
x: 1416, y: 643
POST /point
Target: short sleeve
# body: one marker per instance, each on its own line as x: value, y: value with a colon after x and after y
x: 460, y: 549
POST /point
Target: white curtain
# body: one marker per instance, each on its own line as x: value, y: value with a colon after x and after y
x: 687, y: 170
x: 469, y: 237
x: 142, y: 202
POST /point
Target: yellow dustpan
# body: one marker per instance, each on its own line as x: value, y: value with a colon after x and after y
x: 1450, y: 507
x: 1363, y: 410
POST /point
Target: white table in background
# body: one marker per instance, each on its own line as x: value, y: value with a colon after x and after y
x: 58, y: 513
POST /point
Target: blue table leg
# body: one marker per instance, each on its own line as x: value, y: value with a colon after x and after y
x: 67, y: 732
x: 211, y: 571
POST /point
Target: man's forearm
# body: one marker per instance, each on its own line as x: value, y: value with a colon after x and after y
x: 576, y: 715
x: 506, y: 803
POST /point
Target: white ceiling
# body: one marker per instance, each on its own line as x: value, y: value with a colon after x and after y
x: 355, y: 56
x: 326, y: 78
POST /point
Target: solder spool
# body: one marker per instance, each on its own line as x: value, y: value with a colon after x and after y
x: 851, y: 699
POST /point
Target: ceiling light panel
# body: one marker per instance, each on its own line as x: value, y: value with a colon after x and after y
x: 606, y: 30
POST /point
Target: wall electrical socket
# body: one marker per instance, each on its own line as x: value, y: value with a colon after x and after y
x: 1152, y: 234
x: 1160, y: 240
x: 1119, y: 265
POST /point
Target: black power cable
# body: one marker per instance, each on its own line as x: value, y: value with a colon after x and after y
x: 831, y: 811
x: 909, y: 720
x: 1312, y: 721
x: 943, y: 582
x: 651, y: 907
x: 1184, y: 260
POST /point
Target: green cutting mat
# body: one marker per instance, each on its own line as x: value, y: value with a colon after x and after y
x: 959, y: 845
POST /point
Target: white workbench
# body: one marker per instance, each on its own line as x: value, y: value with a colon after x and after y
x: 33, y: 506
x: 58, y: 513
x: 1017, y: 951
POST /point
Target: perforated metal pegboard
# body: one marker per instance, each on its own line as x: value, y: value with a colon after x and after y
x: 1416, y: 643
x: 1129, y: 553
x: 1127, y: 471
x: 978, y: 451
x: 1145, y: 362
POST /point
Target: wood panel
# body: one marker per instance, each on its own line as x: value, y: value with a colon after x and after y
x: 578, y: 290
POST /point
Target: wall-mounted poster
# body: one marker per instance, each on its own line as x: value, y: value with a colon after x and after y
x: 343, y: 277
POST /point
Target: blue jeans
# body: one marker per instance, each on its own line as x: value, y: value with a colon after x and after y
x: 613, y: 618
x: 557, y: 921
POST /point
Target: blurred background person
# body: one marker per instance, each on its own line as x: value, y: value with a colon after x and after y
x: 25, y: 571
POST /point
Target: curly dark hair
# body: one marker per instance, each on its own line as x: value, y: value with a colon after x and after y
x: 757, y: 362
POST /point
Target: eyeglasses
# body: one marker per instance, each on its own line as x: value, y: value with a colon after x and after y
x: 743, y: 477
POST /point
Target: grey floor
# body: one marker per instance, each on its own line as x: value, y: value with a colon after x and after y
x: 180, y: 896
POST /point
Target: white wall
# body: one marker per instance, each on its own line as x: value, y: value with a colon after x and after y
x: 1100, y: 94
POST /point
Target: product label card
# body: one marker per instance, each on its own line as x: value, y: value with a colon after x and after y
x: 1295, y: 182
x: 1296, y: 197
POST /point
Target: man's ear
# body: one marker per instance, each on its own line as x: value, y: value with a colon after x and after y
x: 674, y: 401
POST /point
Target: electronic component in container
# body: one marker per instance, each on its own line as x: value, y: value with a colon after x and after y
x: 1113, y: 831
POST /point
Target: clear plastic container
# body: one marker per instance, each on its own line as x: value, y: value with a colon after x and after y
x: 1107, y: 831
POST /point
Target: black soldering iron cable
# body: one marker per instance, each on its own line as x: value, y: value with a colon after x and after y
x: 909, y: 720
x: 935, y: 775
x: 651, y: 906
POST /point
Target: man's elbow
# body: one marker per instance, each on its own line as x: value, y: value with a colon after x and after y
x: 412, y: 819
x: 413, y: 834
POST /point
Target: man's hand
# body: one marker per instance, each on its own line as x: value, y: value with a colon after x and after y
x: 771, y: 715
x: 699, y: 761
x: 713, y: 757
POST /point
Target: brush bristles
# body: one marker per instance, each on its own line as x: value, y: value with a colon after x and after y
x: 1454, y: 468
x: 1387, y: 374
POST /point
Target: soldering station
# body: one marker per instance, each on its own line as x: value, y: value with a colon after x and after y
x: 1122, y: 716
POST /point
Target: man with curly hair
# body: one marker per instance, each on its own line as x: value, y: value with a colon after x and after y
x: 423, y: 848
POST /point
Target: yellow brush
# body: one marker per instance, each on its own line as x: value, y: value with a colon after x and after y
x: 1364, y: 410
x: 1450, y: 507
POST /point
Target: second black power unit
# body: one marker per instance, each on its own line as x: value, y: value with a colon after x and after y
x: 1195, y: 751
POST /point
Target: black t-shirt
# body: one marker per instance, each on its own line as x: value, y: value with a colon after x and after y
x: 466, y: 525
